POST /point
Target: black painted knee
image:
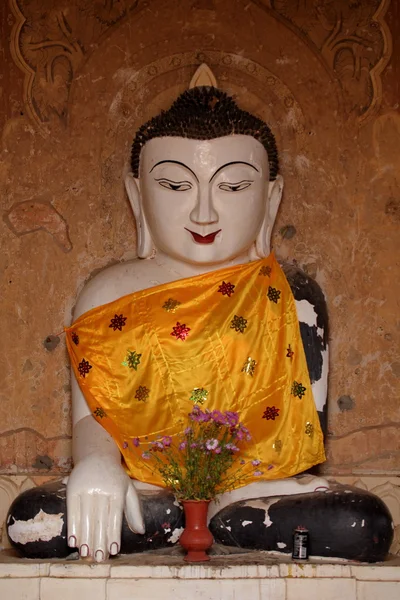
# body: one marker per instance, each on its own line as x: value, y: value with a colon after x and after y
x: 346, y: 522
x: 37, y: 522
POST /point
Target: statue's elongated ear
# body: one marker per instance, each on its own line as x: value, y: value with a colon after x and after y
x: 145, y: 246
x: 272, y: 202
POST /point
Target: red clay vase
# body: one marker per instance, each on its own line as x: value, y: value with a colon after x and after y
x: 196, y: 538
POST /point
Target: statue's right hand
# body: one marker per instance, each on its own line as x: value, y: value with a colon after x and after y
x: 98, y: 492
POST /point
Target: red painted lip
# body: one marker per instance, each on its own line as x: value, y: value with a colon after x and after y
x: 203, y: 239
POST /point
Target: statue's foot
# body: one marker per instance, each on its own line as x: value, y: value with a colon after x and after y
x: 343, y: 522
x: 37, y: 527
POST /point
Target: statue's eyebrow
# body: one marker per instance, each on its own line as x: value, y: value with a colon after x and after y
x: 175, y: 162
x: 235, y: 162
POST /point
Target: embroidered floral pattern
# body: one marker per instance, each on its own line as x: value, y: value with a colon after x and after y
x: 298, y: 389
x: 226, y: 289
x: 277, y: 445
x: 180, y: 331
x: 118, y: 322
x: 125, y: 445
x: 289, y: 352
x: 271, y: 413
x: 84, y: 367
x: 132, y: 360
x: 249, y: 366
x: 239, y: 324
x: 265, y: 270
x: 273, y: 294
x: 75, y: 338
x: 199, y: 395
x: 142, y: 393
x: 171, y: 305
x: 99, y: 412
x: 309, y: 430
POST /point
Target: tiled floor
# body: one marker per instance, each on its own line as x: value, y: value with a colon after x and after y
x: 250, y: 576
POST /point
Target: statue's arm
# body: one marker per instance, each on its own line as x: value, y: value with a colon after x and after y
x: 99, y: 489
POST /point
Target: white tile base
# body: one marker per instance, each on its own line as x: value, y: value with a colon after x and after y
x: 252, y: 576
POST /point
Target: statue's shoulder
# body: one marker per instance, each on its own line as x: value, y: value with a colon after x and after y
x: 309, y: 297
x: 115, y: 281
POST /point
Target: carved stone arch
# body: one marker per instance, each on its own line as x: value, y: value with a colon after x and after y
x: 352, y: 40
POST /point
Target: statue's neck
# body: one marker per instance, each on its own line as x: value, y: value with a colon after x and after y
x: 180, y: 269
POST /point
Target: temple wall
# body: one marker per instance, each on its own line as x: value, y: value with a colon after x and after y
x: 78, y: 78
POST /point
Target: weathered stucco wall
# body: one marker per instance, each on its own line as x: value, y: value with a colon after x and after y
x: 79, y: 77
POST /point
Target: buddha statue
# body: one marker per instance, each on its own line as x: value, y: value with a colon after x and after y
x: 205, y: 310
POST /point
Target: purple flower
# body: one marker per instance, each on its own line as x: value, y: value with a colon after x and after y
x: 232, y: 418
x: 125, y: 445
x: 193, y: 445
x: 136, y: 442
x: 188, y: 431
x: 232, y: 447
x: 258, y: 473
x: 218, y: 417
x: 212, y: 444
x: 167, y: 441
x: 146, y: 455
x: 270, y: 467
x: 242, y: 462
x: 256, y: 462
x: 157, y: 446
x: 182, y: 446
x: 196, y: 414
x: 217, y: 450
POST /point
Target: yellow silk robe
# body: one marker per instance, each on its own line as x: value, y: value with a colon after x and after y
x: 228, y: 339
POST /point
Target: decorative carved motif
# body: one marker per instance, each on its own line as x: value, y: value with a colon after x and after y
x: 49, y: 47
x: 353, y: 40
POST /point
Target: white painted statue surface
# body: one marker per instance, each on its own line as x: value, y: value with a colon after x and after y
x: 199, y: 205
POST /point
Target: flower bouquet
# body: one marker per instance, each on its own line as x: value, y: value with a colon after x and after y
x: 200, y: 464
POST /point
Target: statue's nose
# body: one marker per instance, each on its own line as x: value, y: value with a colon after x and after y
x: 204, y: 212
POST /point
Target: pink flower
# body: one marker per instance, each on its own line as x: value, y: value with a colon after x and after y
x: 125, y: 445
x: 258, y: 473
x: 146, y: 455
x: 242, y: 462
x: 182, y: 446
x: 212, y: 444
x: 136, y: 442
x: 193, y: 445
x: 256, y: 462
x: 167, y: 441
x: 217, y: 450
x: 188, y: 430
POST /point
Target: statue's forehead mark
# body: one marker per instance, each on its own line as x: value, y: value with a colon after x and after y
x: 177, y: 162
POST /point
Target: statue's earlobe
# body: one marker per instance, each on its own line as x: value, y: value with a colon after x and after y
x: 145, y: 247
x: 273, y: 200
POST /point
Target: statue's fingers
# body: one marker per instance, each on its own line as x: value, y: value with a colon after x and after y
x: 101, y: 515
x: 115, y: 526
x: 86, y: 526
x: 133, y: 510
x: 73, y: 520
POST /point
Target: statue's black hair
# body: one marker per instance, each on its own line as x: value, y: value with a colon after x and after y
x: 205, y: 113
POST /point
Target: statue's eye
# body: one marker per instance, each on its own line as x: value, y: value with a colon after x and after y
x: 176, y: 186
x: 235, y: 187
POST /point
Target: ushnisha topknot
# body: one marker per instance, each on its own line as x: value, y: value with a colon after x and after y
x: 205, y: 113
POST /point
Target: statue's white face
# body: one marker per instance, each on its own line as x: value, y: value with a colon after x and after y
x: 204, y: 202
